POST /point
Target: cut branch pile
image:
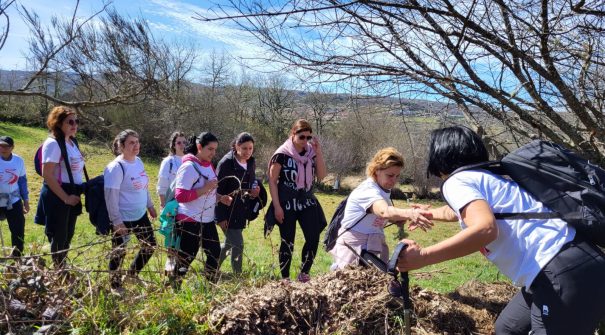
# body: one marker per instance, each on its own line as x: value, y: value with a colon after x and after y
x: 356, y: 301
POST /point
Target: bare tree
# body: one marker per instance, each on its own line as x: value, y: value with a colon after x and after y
x: 323, y: 111
x: 536, y: 66
x: 106, y: 59
x: 274, y: 107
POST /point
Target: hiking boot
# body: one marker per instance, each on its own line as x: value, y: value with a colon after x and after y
x: 303, y: 277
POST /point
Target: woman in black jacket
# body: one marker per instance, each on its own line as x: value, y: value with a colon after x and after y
x: 240, y: 164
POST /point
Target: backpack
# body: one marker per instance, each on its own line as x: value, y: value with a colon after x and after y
x: 169, y: 212
x: 332, y: 232
x: 38, y: 155
x: 254, y: 205
x: 170, y: 191
x: 96, y: 207
x: 38, y: 160
x: 564, y: 182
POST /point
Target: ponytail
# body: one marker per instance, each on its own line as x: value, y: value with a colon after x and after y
x: 191, y: 147
x: 120, y: 139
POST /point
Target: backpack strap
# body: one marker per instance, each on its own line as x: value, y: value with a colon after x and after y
x: 63, y: 148
x: 497, y: 168
x: 354, y: 224
x: 84, y: 168
x: 199, y: 172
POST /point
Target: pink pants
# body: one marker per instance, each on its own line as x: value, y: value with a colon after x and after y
x: 343, y: 256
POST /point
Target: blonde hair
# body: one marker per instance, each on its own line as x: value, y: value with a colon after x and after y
x: 384, y: 159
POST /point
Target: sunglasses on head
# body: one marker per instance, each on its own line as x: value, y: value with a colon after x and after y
x: 304, y: 137
x: 72, y: 122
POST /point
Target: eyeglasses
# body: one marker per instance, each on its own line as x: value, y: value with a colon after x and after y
x: 179, y: 142
x: 73, y: 122
x: 303, y: 137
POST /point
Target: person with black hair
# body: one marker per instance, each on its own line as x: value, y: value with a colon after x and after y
x: 128, y: 200
x: 560, y: 272
x: 60, y: 202
x: 293, y: 168
x: 196, y: 183
x: 14, y: 194
x: 238, y: 163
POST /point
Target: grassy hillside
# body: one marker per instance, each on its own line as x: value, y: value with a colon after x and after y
x: 153, y: 309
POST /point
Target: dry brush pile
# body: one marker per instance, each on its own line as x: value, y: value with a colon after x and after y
x: 356, y: 301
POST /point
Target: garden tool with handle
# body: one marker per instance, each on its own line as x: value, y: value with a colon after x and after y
x: 402, y: 289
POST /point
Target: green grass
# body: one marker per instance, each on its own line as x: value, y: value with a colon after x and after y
x: 157, y: 311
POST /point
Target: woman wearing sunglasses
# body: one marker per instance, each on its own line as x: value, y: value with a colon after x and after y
x: 59, y: 204
x: 170, y: 164
x: 293, y: 168
x: 168, y: 168
x: 368, y: 209
x: 560, y: 272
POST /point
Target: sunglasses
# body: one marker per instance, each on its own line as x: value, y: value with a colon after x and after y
x: 73, y: 122
x: 303, y: 137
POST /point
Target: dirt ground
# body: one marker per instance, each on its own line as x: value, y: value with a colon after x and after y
x: 356, y: 301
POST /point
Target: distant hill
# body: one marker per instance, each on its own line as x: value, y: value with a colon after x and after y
x: 13, y: 79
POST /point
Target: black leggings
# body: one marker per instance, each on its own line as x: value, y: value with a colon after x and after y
x: 189, y: 235
x: 16, y: 224
x: 59, y: 221
x: 566, y: 297
x: 310, y: 224
x: 143, y: 230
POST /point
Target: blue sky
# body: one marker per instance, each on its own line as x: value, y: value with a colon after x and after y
x: 172, y: 20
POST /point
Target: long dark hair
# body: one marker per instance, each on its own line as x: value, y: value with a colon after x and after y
x: 120, y: 139
x: 203, y: 139
x: 241, y: 139
x: 453, y: 147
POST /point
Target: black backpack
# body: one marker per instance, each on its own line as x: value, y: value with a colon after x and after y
x: 332, y: 232
x: 563, y: 181
x: 95, y: 203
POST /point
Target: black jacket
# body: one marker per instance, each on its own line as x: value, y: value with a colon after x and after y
x: 236, y: 213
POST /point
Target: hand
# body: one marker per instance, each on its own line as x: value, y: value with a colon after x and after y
x: 25, y: 206
x: 411, y: 258
x: 210, y: 185
x: 225, y: 200
x: 279, y: 214
x: 224, y: 225
x: 152, y: 212
x: 420, y: 219
x: 315, y: 144
x: 120, y: 229
x: 72, y: 200
x: 254, y: 192
x: 420, y: 206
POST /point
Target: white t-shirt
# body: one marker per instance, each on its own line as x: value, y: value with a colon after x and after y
x: 167, y: 173
x: 360, y: 200
x: 10, y: 171
x: 51, y: 153
x: 523, y: 247
x: 132, y: 183
x: 187, y: 178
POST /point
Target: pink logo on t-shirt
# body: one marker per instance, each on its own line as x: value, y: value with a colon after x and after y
x: 140, y: 182
x: 11, y: 178
x: 379, y: 222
